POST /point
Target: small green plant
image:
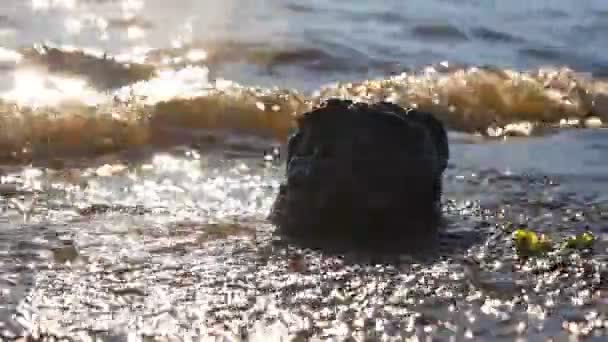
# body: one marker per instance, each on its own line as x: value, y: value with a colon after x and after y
x: 581, y: 241
x: 528, y: 243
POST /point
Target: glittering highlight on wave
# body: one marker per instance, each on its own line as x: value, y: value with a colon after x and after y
x: 58, y: 108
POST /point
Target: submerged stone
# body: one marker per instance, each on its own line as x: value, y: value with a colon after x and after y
x: 364, y: 173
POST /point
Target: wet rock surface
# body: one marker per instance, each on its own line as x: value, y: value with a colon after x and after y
x: 364, y: 174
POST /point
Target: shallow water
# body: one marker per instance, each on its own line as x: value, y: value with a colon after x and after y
x: 177, y: 245
x: 134, y: 189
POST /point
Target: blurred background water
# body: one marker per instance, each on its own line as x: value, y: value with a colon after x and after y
x: 308, y: 43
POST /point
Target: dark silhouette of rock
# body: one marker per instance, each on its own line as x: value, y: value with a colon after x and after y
x: 368, y: 174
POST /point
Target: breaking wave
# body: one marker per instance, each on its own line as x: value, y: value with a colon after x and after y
x: 73, y: 102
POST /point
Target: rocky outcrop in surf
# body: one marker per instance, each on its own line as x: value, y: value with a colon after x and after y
x: 368, y: 174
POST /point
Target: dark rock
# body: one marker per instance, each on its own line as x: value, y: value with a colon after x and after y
x: 361, y: 173
x: 600, y: 106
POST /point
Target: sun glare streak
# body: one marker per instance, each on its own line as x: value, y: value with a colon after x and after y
x: 135, y: 32
x: 169, y: 84
x: 73, y: 25
x: 137, y: 54
x: 131, y: 7
x: 196, y: 55
x: 40, y: 5
x: 34, y: 88
x: 8, y: 55
x: 28, y: 83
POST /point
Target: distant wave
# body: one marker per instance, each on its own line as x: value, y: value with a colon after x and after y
x: 439, y: 32
x: 99, y: 69
x: 491, y: 35
x: 69, y: 102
